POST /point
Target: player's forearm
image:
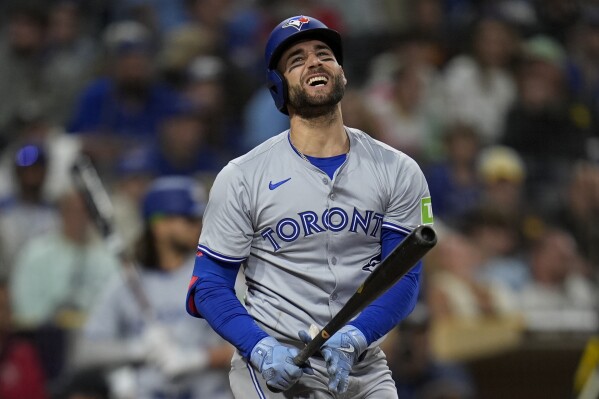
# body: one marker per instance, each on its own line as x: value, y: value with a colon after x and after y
x: 378, y: 318
x: 227, y: 316
x: 382, y: 315
x: 214, y: 297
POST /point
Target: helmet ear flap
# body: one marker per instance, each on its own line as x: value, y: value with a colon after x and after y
x: 278, y: 89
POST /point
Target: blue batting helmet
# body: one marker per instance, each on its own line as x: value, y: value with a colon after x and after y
x: 174, y: 196
x: 282, y: 37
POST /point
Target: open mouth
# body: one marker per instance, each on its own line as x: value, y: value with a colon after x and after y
x: 317, y: 81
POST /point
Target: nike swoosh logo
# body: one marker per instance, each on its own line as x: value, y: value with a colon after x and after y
x: 272, y: 185
x: 348, y: 350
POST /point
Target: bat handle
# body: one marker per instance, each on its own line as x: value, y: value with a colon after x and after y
x: 301, y: 359
x: 311, y: 348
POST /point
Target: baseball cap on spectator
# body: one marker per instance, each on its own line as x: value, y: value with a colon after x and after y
x: 181, y: 107
x: 135, y: 162
x: 174, y: 196
x: 501, y: 163
x: 30, y: 155
x: 184, y: 44
x: 206, y: 68
x: 127, y: 36
x: 543, y: 48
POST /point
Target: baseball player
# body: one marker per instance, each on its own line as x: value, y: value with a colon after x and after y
x: 177, y: 357
x: 309, y: 213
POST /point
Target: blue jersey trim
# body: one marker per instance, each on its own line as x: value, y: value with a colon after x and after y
x: 218, y: 256
x: 395, y: 227
x: 256, y: 383
x: 329, y: 165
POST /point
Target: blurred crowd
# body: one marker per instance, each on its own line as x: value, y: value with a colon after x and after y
x: 498, y: 101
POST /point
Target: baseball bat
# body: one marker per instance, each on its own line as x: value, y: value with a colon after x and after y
x: 99, y: 205
x: 399, y: 262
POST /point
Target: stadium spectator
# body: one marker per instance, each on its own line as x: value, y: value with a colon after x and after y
x: 180, y: 48
x: 578, y: 212
x: 560, y: 296
x: 23, y: 80
x: 402, y: 93
x: 60, y: 149
x: 406, y: 122
x: 182, y: 146
x: 21, y: 371
x: 417, y: 371
x: 70, y: 54
x: 544, y: 113
x: 125, y: 107
x: 582, y: 62
x: 133, y: 175
x: 161, y: 17
x: 502, y: 173
x: 25, y: 214
x: 217, y: 92
x: 56, y: 278
x: 174, y: 356
x: 66, y: 270
x: 453, y: 181
x: 454, y: 291
x: 478, y: 87
x: 498, y: 236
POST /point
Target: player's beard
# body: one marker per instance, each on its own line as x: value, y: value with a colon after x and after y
x: 315, y: 106
x: 180, y: 246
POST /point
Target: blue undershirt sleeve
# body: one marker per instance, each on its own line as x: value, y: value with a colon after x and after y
x: 211, y: 295
x: 383, y: 314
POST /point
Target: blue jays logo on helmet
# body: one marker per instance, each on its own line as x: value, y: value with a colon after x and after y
x: 296, y: 22
x: 282, y: 37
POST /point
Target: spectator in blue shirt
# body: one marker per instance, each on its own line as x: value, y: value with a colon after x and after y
x: 127, y: 106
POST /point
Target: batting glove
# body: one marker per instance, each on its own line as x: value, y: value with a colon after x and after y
x: 341, y: 352
x: 177, y: 362
x: 168, y: 356
x: 275, y: 362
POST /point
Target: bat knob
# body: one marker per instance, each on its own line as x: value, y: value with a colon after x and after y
x: 426, y: 235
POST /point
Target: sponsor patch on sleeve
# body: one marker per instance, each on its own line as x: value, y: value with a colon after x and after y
x: 426, y: 210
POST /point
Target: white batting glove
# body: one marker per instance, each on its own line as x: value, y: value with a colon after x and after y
x: 177, y: 362
x: 154, y: 337
x: 169, y: 357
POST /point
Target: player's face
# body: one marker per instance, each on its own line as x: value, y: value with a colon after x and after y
x: 315, y: 80
x: 179, y: 232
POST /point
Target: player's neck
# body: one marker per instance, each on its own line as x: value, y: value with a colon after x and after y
x: 319, y: 139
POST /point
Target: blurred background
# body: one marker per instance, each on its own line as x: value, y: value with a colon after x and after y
x: 498, y: 101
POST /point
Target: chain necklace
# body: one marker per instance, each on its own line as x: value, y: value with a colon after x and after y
x: 301, y: 154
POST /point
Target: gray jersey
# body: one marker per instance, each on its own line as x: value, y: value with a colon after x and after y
x: 308, y: 242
